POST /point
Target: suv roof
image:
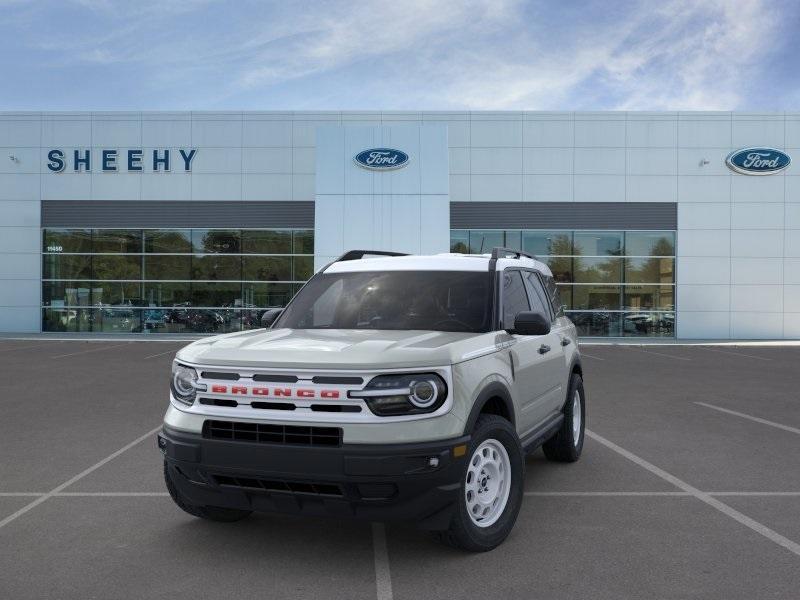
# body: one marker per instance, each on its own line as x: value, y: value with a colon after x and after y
x: 438, y: 262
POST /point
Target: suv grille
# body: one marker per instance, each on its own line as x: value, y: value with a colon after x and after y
x: 271, y: 485
x: 273, y: 434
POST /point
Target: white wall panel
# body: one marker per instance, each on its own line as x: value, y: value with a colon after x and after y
x: 656, y: 133
x: 16, y: 213
x: 757, y: 215
x: 115, y: 186
x: 791, y: 299
x: 756, y: 243
x: 20, y: 319
x: 19, y: 186
x: 764, y: 132
x: 303, y: 187
x: 599, y: 188
x: 704, y: 134
x: 599, y: 161
x: 18, y: 239
x: 599, y: 133
x: 704, y: 242
x: 691, y: 161
x: 704, y: 298
x: 747, y: 188
x: 651, y: 188
x: 652, y: 161
x: 547, y: 188
x: 496, y: 161
x: 548, y: 133
x: 28, y: 160
x: 753, y: 298
x: 704, y: 216
x: 116, y: 133
x: 496, y: 188
x: 703, y: 325
x: 219, y: 186
x: 267, y: 160
x: 703, y: 188
x: 216, y: 160
x: 20, y: 266
x: 756, y: 271
x: 791, y: 271
x: 548, y: 161
x: 223, y: 133
x: 756, y: 325
x: 166, y: 133
x: 258, y: 186
x: 20, y: 132
x: 73, y: 132
x: 791, y: 242
x: 268, y: 134
x: 495, y: 134
x: 703, y: 270
x: 166, y: 186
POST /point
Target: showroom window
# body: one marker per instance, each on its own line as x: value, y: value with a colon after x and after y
x: 169, y: 280
x: 612, y: 283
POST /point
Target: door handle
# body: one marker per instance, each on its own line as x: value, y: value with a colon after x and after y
x: 565, y: 341
x: 544, y: 349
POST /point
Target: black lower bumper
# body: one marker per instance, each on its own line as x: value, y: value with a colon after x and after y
x: 412, y: 482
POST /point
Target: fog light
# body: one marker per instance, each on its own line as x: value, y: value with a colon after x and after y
x: 433, y: 462
x: 162, y: 443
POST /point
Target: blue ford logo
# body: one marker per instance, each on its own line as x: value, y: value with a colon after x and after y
x: 381, y: 159
x: 758, y: 161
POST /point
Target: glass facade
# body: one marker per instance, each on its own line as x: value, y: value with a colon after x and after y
x: 612, y: 283
x: 169, y: 280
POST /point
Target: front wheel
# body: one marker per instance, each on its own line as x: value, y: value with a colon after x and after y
x: 566, y: 445
x: 491, y: 488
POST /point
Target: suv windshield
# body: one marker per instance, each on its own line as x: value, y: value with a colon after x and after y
x: 431, y: 300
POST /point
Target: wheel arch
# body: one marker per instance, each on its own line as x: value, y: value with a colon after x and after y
x: 494, y: 399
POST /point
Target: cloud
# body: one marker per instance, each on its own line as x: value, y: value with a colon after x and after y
x: 471, y: 54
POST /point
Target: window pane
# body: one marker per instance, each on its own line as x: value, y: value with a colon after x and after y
x: 547, y: 243
x: 650, y: 243
x: 482, y: 242
x: 76, y: 266
x: 597, y: 270
x: 116, y: 293
x: 200, y: 320
x: 645, y: 324
x: 117, y: 267
x: 67, y: 319
x: 267, y: 242
x: 168, y: 240
x: 216, y: 267
x: 561, y: 266
x: 168, y: 267
x: 303, y: 267
x: 117, y: 320
x: 598, y: 243
x: 649, y: 297
x: 597, y: 324
x: 512, y: 240
x: 536, y: 295
x: 66, y: 293
x: 650, y: 270
x: 67, y: 240
x: 565, y: 294
x: 515, y: 299
x: 117, y: 240
x: 596, y: 297
x: 459, y: 241
x: 267, y: 295
x: 226, y: 241
x: 216, y: 294
x: 267, y: 268
x: 304, y: 241
x: 166, y: 294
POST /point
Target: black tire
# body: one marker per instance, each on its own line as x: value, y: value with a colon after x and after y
x: 212, y: 513
x: 563, y: 447
x: 463, y: 532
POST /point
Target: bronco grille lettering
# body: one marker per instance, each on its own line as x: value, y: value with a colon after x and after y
x: 275, y: 392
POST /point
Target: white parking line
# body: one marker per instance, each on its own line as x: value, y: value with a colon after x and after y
x: 655, y: 494
x: 77, y: 477
x: 110, y: 494
x: 751, y: 418
x: 658, y: 353
x: 383, y: 577
x: 734, y: 514
x: 591, y: 356
x: 92, y: 350
x: 734, y: 353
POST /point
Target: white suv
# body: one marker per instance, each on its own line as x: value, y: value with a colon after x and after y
x: 391, y: 387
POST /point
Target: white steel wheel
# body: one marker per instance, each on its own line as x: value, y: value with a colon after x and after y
x: 488, y: 483
x: 576, y: 417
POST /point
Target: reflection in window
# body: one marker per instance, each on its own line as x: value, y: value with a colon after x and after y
x: 612, y: 283
x: 169, y: 280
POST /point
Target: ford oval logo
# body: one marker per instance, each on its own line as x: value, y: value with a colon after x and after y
x: 758, y: 161
x: 381, y: 159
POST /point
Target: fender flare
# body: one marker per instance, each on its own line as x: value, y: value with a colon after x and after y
x: 574, y: 366
x: 495, y: 389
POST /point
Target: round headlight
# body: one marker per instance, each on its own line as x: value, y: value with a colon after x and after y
x: 184, y: 380
x: 423, y: 393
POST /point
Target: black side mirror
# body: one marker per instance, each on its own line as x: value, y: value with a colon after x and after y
x: 531, y: 323
x: 269, y: 317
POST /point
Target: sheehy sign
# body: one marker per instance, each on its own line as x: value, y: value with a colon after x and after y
x: 111, y: 160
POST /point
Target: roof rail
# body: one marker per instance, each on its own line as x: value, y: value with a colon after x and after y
x: 358, y: 254
x: 499, y: 252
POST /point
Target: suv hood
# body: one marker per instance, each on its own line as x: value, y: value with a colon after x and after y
x: 334, y: 348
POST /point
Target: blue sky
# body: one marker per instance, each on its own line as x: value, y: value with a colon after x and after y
x: 410, y: 54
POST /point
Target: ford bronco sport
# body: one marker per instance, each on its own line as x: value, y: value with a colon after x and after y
x: 390, y: 387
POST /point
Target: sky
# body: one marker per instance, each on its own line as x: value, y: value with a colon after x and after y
x: 400, y: 55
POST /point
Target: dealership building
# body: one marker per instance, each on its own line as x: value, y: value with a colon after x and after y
x: 678, y: 225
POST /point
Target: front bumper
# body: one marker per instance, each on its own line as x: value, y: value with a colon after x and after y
x: 379, y: 482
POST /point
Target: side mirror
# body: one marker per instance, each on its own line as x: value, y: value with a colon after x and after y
x: 269, y: 317
x: 531, y: 323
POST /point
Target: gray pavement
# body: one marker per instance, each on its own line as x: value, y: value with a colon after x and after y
x: 672, y: 498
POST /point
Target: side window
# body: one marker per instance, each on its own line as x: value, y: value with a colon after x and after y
x: 537, y: 295
x: 555, y: 297
x: 515, y: 300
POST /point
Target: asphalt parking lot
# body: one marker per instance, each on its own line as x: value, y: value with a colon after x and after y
x: 689, y: 487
